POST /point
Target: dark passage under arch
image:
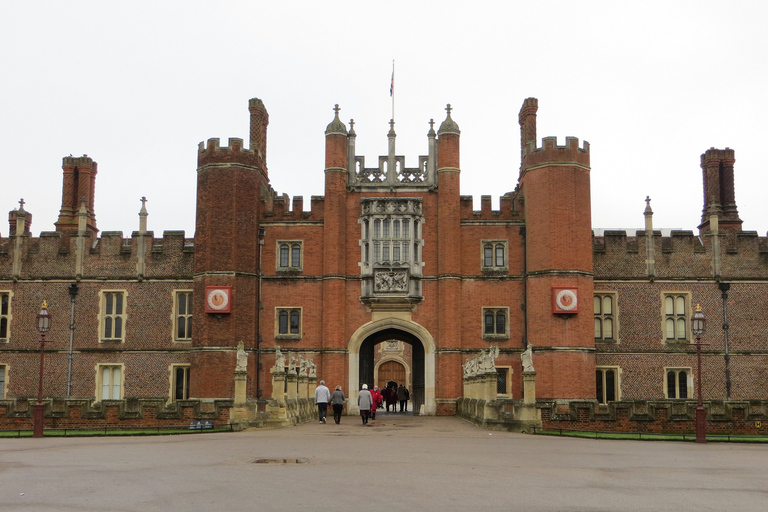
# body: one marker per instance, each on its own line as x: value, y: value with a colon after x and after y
x: 366, y: 362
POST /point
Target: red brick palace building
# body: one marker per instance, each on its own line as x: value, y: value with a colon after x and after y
x: 390, y: 271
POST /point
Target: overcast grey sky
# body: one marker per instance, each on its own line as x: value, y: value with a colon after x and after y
x: 136, y: 85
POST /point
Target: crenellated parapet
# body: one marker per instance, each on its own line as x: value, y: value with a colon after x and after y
x: 213, y: 153
x: 509, y: 208
x: 551, y: 153
x: 55, y: 255
x: 680, y: 254
x: 280, y: 207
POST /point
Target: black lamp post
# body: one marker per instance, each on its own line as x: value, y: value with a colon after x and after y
x: 43, y: 326
x: 698, y: 325
x: 258, y: 319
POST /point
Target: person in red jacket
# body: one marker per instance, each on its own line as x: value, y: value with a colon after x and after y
x: 377, y: 399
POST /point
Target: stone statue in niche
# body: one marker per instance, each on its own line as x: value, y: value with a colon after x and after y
x: 242, y: 357
x: 527, y: 359
x: 279, y: 361
x: 302, y: 366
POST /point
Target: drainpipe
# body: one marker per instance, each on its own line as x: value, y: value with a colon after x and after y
x: 724, y: 287
x: 72, y: 296
x: 524, y: 306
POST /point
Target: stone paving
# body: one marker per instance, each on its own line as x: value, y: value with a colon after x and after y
x: 397, y: 462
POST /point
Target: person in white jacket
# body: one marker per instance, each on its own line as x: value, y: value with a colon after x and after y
x: 365, y: 402
x: 322, y: 397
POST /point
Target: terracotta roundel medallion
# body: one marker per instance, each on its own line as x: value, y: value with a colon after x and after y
x: 217, y: 299
x: 565, y: 300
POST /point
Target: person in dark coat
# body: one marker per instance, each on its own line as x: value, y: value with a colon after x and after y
x: 337, y: 401
x: 403, y: 396
x: 390, y: 396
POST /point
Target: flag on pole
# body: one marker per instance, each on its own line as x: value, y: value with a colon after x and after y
x: 392, y: 82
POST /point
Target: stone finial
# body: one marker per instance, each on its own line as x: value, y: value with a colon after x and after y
x: 648, y: 210
x: 449, y: 125
x: 143, y: 214
x: 336, y: 126
x: 391, y: 132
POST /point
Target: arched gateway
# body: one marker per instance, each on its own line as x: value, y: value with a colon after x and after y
x: 361, y: 368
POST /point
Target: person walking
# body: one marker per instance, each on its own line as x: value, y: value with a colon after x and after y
x: 390, y: 395
x: 337, y: 402
x: 364, y: 402
x: 322, y: 397
x: 376, y: 397
x: 403, y: 395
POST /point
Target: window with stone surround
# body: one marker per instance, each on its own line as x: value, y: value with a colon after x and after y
x: 109, y: 382
x: 504, y: 381
x: 494, y: 256
x: 112, y: 315
x: 182, y: 315
x: 496, y: 323
x: 290, y: 256
x: 391, y: 246
x: 179, y: 382
x: 607, y: 384
x: 675, y: 314
x: 606, y: 316
x: 5, y: 316
x: 288, y: 323
x: 677, y: 383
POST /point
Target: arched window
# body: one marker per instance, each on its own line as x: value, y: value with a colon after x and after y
x: 495, y: 322
x: 284, y: 251
x: 489, y: 324
x: 488, y: 255
x: 499, y: 255
x: 501, y: 322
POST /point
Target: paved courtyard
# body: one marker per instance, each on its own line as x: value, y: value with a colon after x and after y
x: 398, y: 462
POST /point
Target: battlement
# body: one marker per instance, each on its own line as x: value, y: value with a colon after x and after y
x: 234, y: 153
x: 280, y: 207
x: 550, y: 152
x: 680, y: 255
x: 54, y: 255
x: 509, y: 209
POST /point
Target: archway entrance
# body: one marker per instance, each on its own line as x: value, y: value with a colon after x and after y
x: 367, y: 362
x: 362, y: 368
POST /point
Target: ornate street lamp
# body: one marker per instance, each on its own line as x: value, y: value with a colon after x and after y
x: 698, y: 325
x: 43, y: 326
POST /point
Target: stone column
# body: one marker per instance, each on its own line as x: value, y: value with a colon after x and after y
x: 529, y: 388
x: 241, y: 380
x: 489, y: 386
x: 278, y: 386
x: 303, y: 382
x: 291, y: 379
